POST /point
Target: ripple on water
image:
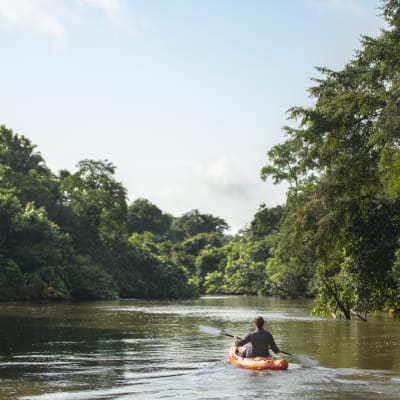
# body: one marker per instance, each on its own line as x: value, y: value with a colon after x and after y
x: 154, y: 350
x: 219, y: 380
x: 228, y: 314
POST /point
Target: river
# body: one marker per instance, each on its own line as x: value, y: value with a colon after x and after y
x: 138, y: 349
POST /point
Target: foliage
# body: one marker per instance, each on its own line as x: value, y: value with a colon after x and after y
x: 67, y: 236
x: 266, y: 221
x: 98, y: 204
x: 23, y: 171
x: 11, y: 279
x: 33, y: 251
x: 211, y: 259
x: 344, y: 158
x: 193, y: 223
x: 143, y: 216
x: 90, y: 281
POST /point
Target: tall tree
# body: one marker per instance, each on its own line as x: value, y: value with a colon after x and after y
x: 193, y: 223
x: 33, y: 251
x: 349, y: 140
x: 23, y: 170
x: 266, y: 221
x: 144, y: 216
x: 98, y: 203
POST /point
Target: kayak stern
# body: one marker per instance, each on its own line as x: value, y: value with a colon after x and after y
x: 257, y: 363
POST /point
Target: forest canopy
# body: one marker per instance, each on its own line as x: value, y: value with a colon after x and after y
x: 342, y: 224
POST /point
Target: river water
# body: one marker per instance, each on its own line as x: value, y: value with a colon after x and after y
x: 155, y: 350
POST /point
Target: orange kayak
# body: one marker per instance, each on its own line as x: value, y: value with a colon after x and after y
x: 258, y: 363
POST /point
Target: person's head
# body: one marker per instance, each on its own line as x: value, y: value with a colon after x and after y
x: 259, y: 322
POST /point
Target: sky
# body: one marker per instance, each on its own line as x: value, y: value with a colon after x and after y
x: 184, y: 97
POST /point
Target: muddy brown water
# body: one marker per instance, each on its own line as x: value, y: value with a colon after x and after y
x: 138, y: 349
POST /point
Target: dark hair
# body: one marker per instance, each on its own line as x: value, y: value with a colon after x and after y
x: 259, y: 322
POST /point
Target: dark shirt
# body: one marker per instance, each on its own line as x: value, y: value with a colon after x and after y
x: 260, y: 341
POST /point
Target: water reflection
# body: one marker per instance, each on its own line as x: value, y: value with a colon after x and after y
x: 154, y: 350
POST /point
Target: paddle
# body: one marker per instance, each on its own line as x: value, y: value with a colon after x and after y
x: 214, y: 331
x: 307, y: 361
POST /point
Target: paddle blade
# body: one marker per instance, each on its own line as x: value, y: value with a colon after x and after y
x: 210, y: 330
x: 306, y: 361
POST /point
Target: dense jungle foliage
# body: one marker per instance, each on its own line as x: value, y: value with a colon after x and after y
x: 339, y: 237
x: 74, y: 235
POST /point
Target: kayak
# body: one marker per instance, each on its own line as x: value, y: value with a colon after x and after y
x: 257, y: 363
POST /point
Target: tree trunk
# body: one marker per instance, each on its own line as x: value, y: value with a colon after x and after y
x: 359, y: 316
x: 335, y: 294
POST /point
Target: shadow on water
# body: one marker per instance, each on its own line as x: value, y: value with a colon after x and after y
x: 155, y: 350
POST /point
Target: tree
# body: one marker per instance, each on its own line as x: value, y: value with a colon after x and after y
x: 285, y: 164
x: 143, y: 216
x: 266, y: 221
x: 209, y: 260
x: 11, y: 280
x: 348, y: 143
x: 186, y: 252
x: 193, y: 223
x: 23, y: 170
x: 18, y: 152
x: 98, y: 203
x: 66, y: 236
x: 89, y: 280
x: 33, y: 251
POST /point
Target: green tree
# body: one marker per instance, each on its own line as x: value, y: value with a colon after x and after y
x: 186, y: 252
x: 347, y: 148
x: 66, y: 236
x: 23, y: 170
x: 285, y: 163
x: 11, y: 280
x: 99, y: 207
x: 33, y: 251
x: 193, y: 223
x: 209, y: 260
x: 143, y: 216
x: 266, y: 221
x: 237, y: 272
x: 89, y: 280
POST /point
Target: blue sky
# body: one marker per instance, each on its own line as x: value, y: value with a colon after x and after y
x: 185, y: 97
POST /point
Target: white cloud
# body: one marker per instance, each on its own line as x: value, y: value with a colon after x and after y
x: 47, y: 15
x: 218, y: 187
x: 222, y: 178
x: 40, y: 15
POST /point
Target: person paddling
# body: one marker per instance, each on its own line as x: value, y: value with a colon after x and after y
x: 260, y: 341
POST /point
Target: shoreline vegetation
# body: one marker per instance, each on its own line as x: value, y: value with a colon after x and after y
x: 73, y: 235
